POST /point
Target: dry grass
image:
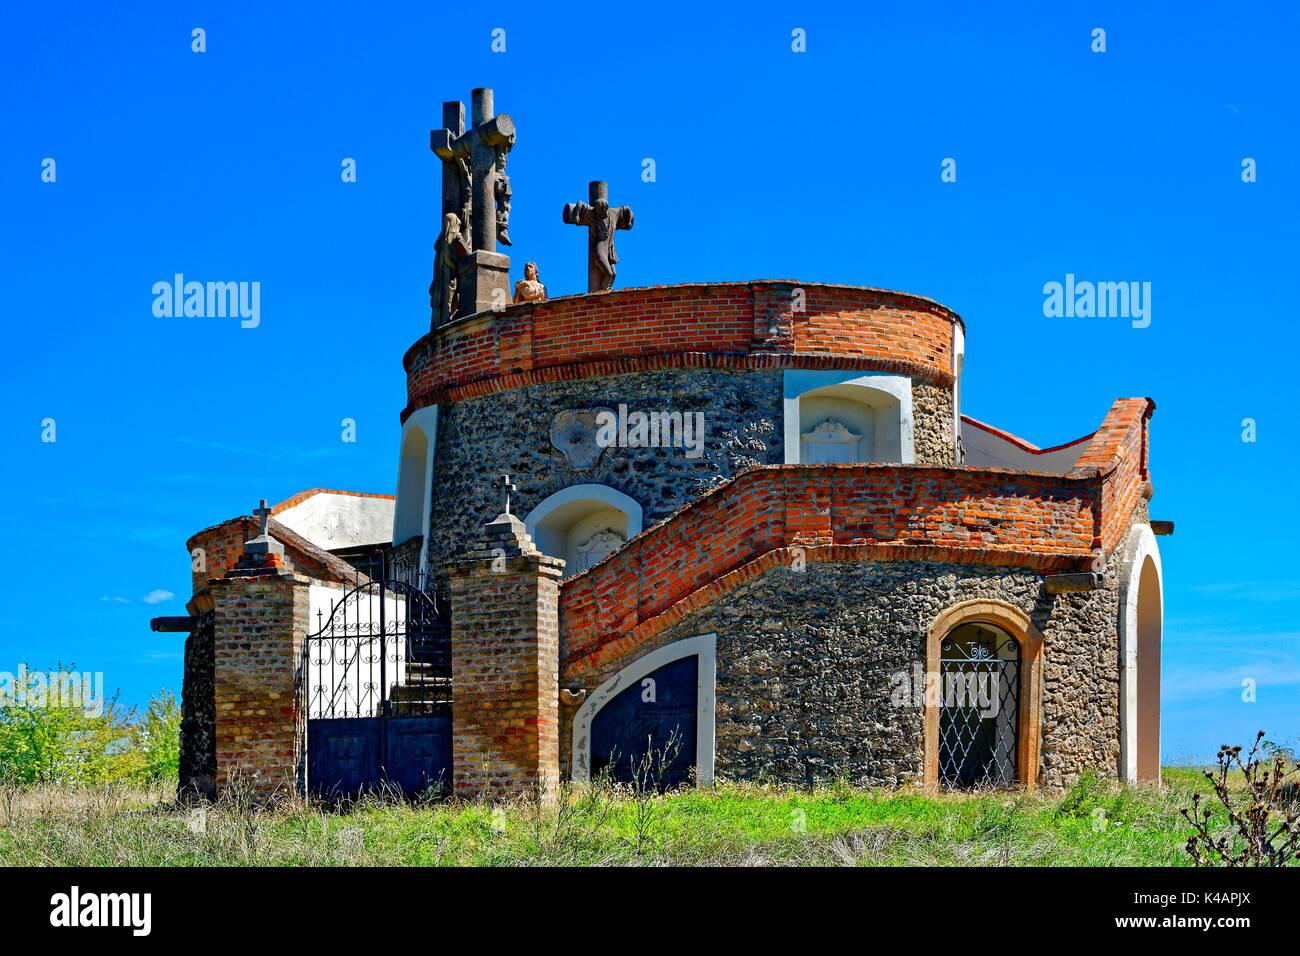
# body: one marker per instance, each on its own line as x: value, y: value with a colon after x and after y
x: 1095, y: 824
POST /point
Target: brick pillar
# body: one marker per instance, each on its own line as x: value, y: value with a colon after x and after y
x: 505, y: 663
x: 260, y: 617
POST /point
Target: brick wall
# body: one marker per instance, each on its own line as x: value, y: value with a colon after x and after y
x: 259, y: 624
x: 719, y: 325
x: 505, y: 667
x: 878, y: 512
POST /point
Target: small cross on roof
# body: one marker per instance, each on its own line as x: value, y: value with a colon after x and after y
x: 263, y: 514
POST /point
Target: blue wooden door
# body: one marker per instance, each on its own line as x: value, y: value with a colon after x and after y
x: 419, y: 753
x: 647, y: 714
x: 342, y: 755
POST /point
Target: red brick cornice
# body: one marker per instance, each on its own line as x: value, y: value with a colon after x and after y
x: 729, y: 325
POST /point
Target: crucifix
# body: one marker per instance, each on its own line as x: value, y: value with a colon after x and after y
x: 601, y: 220
x: 507, y: 486
x: 476, y: 189
x: 471, y: 191
x: 263, y: 515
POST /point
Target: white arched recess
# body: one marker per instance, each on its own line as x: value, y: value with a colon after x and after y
x: 583, y: 523
x: 415, y: 479
x: 1141, y: 620
x: 890, y: 396
x: 958, y: 359
x: 705, y: 647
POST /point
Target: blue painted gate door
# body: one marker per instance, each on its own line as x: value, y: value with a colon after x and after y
x: 645, y: 715
x: 345, y: 755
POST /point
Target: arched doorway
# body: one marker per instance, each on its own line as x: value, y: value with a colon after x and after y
x: 983, y: 691
x: 979, y: 667
x: 1141, y: 627
x: 666, y: 693
x: 1149, y: 622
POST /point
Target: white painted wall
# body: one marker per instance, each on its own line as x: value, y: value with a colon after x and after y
x: 958, y: 361
x: 415, y: 481
x: 332, y: 521
x: 984, y: 449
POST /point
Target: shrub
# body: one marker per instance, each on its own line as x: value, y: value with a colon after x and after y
x: 1264, y: 825
x: 50, y: 738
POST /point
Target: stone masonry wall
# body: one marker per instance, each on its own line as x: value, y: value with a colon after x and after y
x: 198, y: 756
x: 932, y: 424
x: 510, y: 432
x: 805, y: 662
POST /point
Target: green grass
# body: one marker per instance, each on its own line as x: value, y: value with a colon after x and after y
x: 1094, y: 824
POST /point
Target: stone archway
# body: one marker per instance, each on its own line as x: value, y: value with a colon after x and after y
x: 1016, y: 624
x: 703, y: 650
x: 1141, y: 626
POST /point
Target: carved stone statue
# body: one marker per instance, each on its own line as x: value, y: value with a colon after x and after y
x: 601, y: 220
x: 475, y: 188
x: 502, y: 192
x: 529, y: 288
x: 448, y: 252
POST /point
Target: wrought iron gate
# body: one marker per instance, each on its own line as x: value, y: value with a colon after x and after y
x: 377, y: 680
x: 979, y: 739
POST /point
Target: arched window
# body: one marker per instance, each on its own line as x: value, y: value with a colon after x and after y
x: 832, y: 419
x: 1140, y: 638
x: 583, y: 523
x: 982, y: 697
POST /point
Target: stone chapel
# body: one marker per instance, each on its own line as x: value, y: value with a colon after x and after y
x: 710, y: 531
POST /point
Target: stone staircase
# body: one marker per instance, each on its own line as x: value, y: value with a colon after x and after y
x: 426, y: 691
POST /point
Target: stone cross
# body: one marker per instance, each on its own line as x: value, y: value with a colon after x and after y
x: 455, y: 165
x: 263, y: 513
x: 482, y: 146
x: 601, y: 220
x: 507, y: 486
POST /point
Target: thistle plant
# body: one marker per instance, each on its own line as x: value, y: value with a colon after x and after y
x: 1263, y: 817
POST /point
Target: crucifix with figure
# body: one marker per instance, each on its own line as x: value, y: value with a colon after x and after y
x: 476, y: 190
x: 602, y: 221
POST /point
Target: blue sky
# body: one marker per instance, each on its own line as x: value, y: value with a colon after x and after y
x: 825, y: 165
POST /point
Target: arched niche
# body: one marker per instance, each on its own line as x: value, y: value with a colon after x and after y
x: 1141, y: 625
x: 583, y: 523
x: 704, y: 649
x: 838, y: 417
x: 415, y: 477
